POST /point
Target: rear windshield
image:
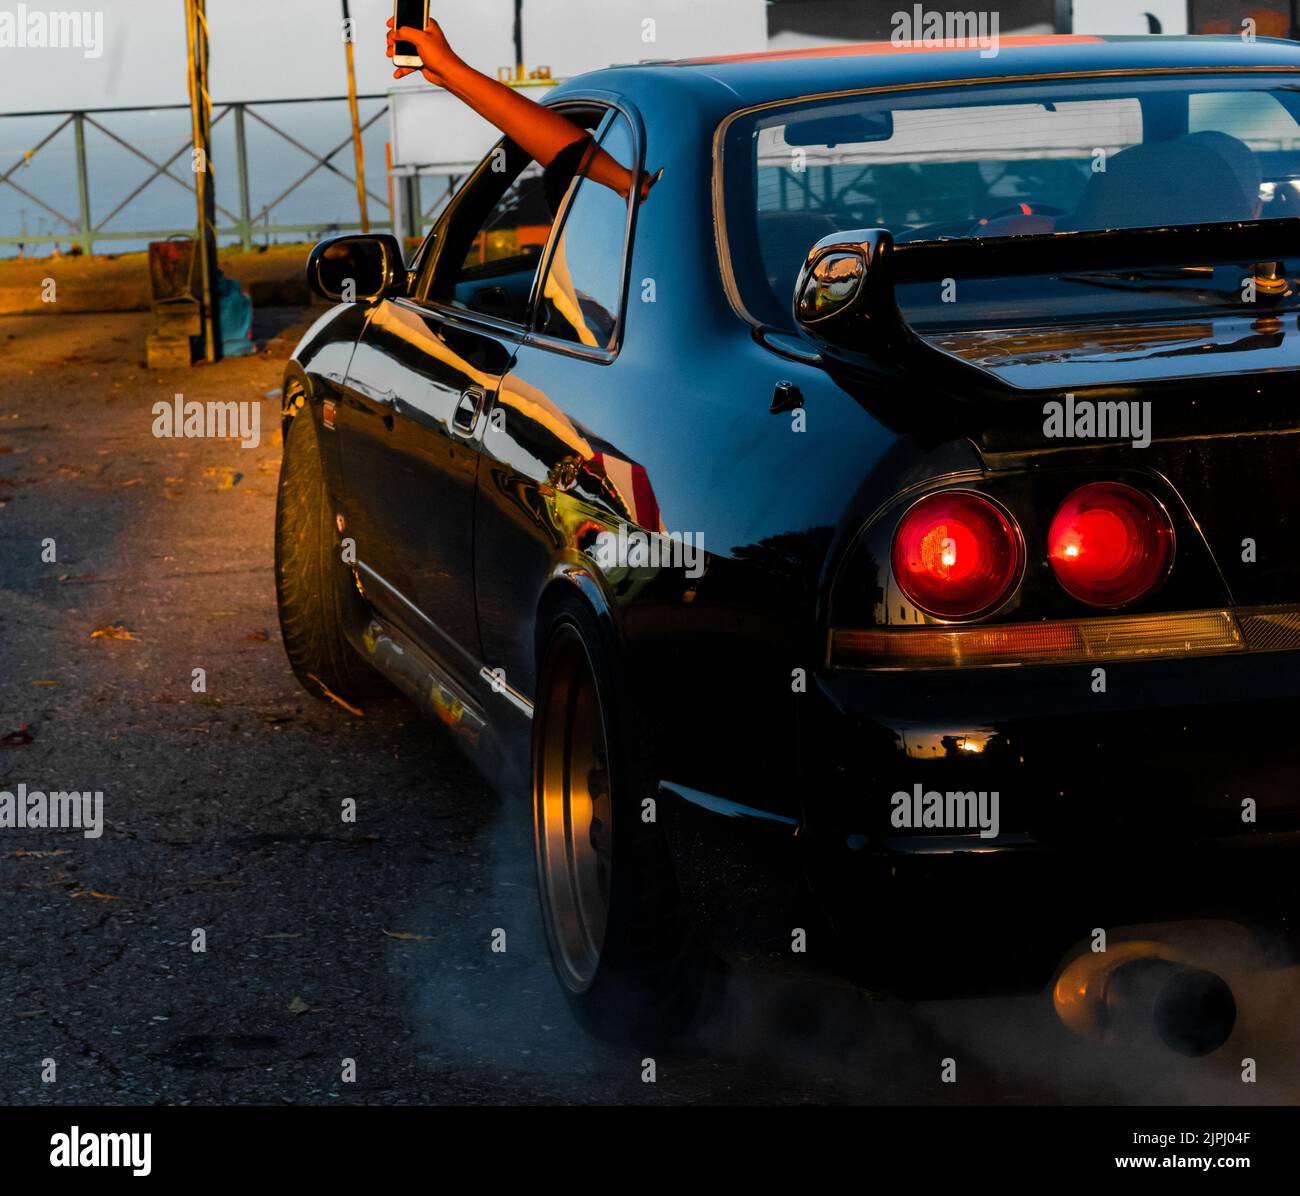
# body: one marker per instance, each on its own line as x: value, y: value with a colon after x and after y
x: 1003, y: 161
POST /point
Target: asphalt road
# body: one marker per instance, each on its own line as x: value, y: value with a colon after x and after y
x: 329, y: 941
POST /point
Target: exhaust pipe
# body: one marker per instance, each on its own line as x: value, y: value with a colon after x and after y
x: 1141, y: 991
x: 1191, y: 1011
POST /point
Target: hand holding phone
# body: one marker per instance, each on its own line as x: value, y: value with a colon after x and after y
x: 540, y: 131
x: 431, y: 54
x: 412, y: 14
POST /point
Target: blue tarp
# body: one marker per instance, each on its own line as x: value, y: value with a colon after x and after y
x: 236, y: 315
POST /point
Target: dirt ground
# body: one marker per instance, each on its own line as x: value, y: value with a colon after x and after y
x: 275, y: 277
x: 329, y: 941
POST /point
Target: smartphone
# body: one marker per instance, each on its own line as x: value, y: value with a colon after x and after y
x: 413, y: 13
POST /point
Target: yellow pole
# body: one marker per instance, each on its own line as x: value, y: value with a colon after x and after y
x: 358, y: 148
x: 196, y: 32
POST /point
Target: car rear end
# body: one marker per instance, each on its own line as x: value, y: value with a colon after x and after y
x: 1061, y: 674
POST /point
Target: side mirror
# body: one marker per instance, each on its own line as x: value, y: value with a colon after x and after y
x: 847, y: 280
x: 357, y: 268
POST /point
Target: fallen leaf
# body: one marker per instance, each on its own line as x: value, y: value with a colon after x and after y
x: 45, y: 683
x: 409, y: 938
x: 114, y: 631
x: 98, y: 896
x: 259, y: 637
x: 227, y: 479
x: 22, y: 854
x: 333, y: 697
x: 20, y: 738
x: 25, y: 1013
x: 298, y: 1005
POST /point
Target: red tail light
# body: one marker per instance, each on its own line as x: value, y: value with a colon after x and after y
x: 1110, y: 544
x: 956, y: 555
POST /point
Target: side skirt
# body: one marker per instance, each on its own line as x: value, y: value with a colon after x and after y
x: 420, y: 678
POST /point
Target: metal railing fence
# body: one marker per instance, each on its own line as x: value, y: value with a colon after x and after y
x: 84, y: 230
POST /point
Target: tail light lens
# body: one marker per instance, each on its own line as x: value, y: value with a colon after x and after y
x: 1110, y: 544
x: 957, y: 555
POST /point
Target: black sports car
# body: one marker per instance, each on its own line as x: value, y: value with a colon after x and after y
x: 902, y: 499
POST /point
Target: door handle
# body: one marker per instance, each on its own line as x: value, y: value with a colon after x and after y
x: 468, y: 408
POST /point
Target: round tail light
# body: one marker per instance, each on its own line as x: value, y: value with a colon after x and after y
x: 957, y: 555
x: 1110, y: 544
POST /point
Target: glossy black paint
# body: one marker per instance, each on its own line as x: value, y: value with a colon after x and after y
x: 465, y: 533
x: 410, y: 471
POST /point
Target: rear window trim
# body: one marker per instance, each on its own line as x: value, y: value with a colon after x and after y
x: 721, y: 236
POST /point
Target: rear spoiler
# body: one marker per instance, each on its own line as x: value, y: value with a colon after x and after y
x: 871, y: 332
x: 1258, y: 241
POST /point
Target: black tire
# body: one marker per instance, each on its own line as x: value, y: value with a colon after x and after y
x: 647, y: 973
x: 312, y: 584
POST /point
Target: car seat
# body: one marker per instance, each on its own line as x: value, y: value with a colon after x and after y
x: 1198, y: 178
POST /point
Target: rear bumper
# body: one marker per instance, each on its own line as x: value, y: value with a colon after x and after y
x: 1148, y: 751
x: 967, y: 921
x: 1173, y: 792
x: 1113, y: 808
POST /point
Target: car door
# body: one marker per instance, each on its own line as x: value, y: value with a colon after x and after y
x: 424, y: 372
x: 546, y: 468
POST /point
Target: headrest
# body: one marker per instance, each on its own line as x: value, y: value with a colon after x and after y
x: 1199, y: 178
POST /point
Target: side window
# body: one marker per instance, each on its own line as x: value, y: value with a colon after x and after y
x: 583, y: 290
x: 489, y: 260
x: 494, y: 239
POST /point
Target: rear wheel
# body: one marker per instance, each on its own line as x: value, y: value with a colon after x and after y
x: 619, y: 939
x: 313, y: 588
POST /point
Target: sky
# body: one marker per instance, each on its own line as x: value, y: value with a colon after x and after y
x: 280, y: 49
x: 268, y: 49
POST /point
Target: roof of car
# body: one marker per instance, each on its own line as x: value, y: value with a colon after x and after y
x: 744, y: 80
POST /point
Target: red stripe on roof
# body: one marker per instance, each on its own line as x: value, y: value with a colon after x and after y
x: 864, y: 49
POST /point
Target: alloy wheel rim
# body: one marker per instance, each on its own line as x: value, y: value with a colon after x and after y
x: 573, y: 812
